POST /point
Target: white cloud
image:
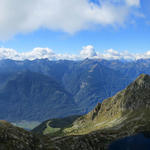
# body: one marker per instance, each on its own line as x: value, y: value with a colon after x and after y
x: 87, y: 52
x: 133, y: 2
x: 111, y: 54
x: 36, y: 53
x: 6, y: 53
x: 18, y: 16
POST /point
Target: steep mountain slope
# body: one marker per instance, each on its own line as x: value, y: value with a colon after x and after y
x: 87, y: 82
x: 90, y: 82
x: 13, y: 138
x: 127, y: 113
x: 131, y: 103
x: 33, y: 96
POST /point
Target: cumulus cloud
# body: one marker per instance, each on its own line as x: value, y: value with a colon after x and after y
x: 66, y: 15
x: 36, y: 53
x: 112, y: 54
x: 87, y: 52
x: 7, y: 53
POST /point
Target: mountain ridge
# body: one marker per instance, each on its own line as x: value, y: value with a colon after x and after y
x: 115, y: 118
x: 117, y: 111
x: 111, y: 120
x: 87, y: 82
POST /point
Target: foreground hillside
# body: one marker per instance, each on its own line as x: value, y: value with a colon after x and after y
x: 125, y: 114
x: 14, y: 138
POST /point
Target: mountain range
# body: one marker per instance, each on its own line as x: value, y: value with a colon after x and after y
x: 61, y: 88
x: 34, y: 96
x: 126, y: 114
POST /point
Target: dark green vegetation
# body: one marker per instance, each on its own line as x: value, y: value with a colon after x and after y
x: 125, y: 114
x: 42, y: 89
x: 14, y: 138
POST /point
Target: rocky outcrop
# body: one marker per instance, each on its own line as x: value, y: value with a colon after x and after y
x: 14, y: 138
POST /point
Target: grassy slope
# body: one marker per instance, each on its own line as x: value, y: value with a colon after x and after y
x: 55, y: 126
x: 115, y: 111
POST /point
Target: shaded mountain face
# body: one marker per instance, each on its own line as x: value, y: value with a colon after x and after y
x: 125, y: 114
x: 13, y: 138
x: 93, y: 83
x: 33, y: 96
x: 86, y: 82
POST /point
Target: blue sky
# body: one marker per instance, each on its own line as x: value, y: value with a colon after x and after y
x: 128, y: 29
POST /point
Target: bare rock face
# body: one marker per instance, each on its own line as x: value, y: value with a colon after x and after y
x: 137, y: 94
x: 135, y: 97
